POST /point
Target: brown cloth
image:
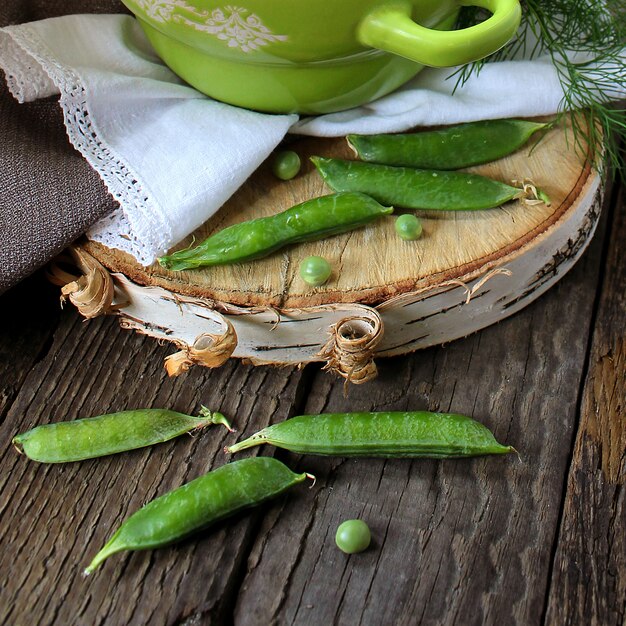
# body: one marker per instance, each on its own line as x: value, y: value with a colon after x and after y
x: 49, y: 195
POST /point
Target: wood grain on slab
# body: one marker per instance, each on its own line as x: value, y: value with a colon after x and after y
x: 589, y: 582
x: 372, y: 264
x: 471, y: 270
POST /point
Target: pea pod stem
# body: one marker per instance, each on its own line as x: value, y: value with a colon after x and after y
x: 530, y: 194
x: 450, y: 148
x: 416, y: 189
x: 308, y: 221
x: 92, y: 437
x: 380, y: 434
x: 198, y: 504
x: 216, y: 418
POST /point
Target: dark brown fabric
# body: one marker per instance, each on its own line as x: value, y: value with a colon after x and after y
x: 49, y: 195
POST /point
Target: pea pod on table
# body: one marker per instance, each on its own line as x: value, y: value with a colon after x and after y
x: 380, y: 434
x: 449, y: 148
x: 254, y: 239
x: 416, y: 189
x: 93, y: 437
x: 199, y: 503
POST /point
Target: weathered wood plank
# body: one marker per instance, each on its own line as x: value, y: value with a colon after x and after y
x: 54, y: 518
x: 480, y: 532
x: 456, y: 542
x: 589, y: 579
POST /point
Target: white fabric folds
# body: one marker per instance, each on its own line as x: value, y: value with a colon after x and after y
x: 171, y: 156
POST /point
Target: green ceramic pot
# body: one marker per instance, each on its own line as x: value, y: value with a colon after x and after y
x: 315, y: 56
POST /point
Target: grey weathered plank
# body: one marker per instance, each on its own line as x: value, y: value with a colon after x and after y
x: 589, y: 575
x: 455, y: 542
x: 54, y: 518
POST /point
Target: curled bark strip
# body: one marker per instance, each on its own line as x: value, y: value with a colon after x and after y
x: 208, y: 349
x: 471, y: 291
x: 91, y: 291
x: 350, y: 349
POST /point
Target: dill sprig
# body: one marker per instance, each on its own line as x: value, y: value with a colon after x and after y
x: 586, y: 42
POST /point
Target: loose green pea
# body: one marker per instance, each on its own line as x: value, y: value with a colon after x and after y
x: 353, y: 536
x: 408, y: 227
x: 416, y: 189
x: 93, y: 437
x: 383, y: 434
x: 308, y: 221
x: 315, y: 270
x: 447, y: 149
x: 286, y: 165
x: 200, y: 503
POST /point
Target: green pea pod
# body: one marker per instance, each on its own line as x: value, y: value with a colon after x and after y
x: 416, y: 189
x: 389, y: 434
x: 308, y: 221
x: 199, y: 503
x: 447, y: 149
x: 93, y: 437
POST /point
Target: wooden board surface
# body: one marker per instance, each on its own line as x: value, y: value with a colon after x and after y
x: 536, y: 541
x: 373, y: 264
x: 589, y: 576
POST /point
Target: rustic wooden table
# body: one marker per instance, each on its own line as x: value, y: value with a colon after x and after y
x: 539, y: 539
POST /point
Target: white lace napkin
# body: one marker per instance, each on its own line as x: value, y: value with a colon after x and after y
x: 171, y: 156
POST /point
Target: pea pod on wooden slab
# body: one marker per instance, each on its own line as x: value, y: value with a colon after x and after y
x: 308, y: 221
x: 93, y: 437
x: 416, y: 189
x: 384, y: 434
x: 449, y: 148
x: 199, y: 503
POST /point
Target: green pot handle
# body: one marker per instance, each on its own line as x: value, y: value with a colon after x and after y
x: 391, y: 29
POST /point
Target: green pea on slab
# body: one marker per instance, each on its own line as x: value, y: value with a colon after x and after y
x: 200, y: 503
x: 408, y: 227
x: 450, y: 148
x: 93, y: 437
x: 286, y: 164
x: 392, y: 434
x: 315, y: 270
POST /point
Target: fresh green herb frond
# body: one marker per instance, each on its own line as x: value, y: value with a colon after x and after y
x: 586, y: 42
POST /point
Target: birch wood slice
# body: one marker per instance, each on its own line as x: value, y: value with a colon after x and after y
x: 386, y: 296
